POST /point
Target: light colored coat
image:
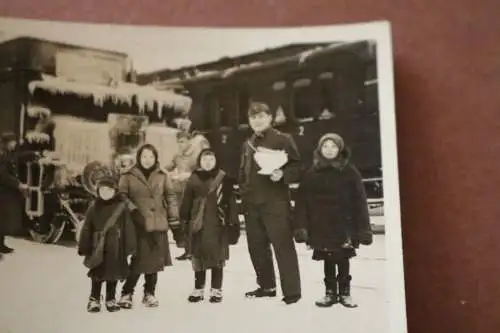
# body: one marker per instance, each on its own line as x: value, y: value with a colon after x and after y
x: 155, y: 197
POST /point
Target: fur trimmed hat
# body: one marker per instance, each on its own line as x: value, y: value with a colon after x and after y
x: 337, y: 139
x: 108, y: 181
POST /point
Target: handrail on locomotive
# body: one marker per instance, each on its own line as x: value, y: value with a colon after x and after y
x: 55, y: 204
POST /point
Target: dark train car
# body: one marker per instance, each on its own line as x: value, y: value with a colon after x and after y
x: 314, y: 90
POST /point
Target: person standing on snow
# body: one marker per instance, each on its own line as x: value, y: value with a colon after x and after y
x: 266, y: 204
x: 150, y: 190
x: 209, y: 211
x: 332, y: 213
x: 183, y: 164
x: 108, y: 220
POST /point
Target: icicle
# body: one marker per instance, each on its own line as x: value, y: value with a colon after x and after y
x: 124, y: 92
x: 32, y: 86
x: 161, y: 105
x: 37, y: 111
x: 150, y: 104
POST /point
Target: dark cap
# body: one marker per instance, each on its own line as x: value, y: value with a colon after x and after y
x: 258, y: 107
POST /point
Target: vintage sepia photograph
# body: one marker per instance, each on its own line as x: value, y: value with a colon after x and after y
x: 198, y: 179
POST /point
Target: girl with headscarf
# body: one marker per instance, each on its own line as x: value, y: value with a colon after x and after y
x: 149, y: 188
x: 332, y: 215
x: 209, y: 211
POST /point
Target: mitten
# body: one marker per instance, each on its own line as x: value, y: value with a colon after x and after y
x: 178, y: 237
x: 174, y: 225
x: 355, y: 243
x: 301, y: 235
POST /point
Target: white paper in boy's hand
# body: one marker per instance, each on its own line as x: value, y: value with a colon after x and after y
x: 270, y: 160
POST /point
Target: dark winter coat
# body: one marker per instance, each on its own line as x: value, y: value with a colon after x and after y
x: 210, y: 245
x: 257, y: 189
x: 332, y: 206
x: 120, y: 240
x: 11, y: 201
x: 156, y: 204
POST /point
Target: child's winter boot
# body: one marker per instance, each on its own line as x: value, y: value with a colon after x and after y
x: 125, y: 301
x: 345, y: 293
x: 150, y: 301
x: 331, y: 294
x: 112, y: 305
x: 215, y: 295
x: 196, y: 296
x: 94, y: 305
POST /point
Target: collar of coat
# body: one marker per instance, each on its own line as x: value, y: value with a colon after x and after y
x: 269, y: 131
x: 135, y: 168
x: 150, y: 183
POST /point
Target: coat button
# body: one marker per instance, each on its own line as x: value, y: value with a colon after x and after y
x: 152, y: 209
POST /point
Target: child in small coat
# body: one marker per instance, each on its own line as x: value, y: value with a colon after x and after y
x: 108, y: 222
x: 332, y: 214
x: 209, y: 212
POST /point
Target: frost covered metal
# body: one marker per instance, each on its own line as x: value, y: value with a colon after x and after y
x: 146, y: 96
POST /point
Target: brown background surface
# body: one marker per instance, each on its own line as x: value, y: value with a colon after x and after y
x: 447, y: 55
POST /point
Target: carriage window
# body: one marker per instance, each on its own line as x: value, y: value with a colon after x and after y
x: 208, y: 112
x: 327, y: 95
x: 303, y: 99
x: 243, y: 104
x: 225, y: 109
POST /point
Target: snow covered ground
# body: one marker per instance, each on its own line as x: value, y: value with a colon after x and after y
x: 44, y: 289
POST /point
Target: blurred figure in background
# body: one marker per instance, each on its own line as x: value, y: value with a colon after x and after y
x: 183, y: 165
x: 12, y: 191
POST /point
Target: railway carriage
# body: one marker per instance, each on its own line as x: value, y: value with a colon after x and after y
x: 312, y: 89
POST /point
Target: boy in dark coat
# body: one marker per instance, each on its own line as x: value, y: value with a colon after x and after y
x: 119, y: 242
x: 266, y: 202
x: 332, y: 213
x: 208, y: 209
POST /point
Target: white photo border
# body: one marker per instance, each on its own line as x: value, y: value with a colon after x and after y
x: 378, y: 31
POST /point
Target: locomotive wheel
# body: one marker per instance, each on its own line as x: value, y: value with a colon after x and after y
x: 59, y: 223
x: 43, y: 232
